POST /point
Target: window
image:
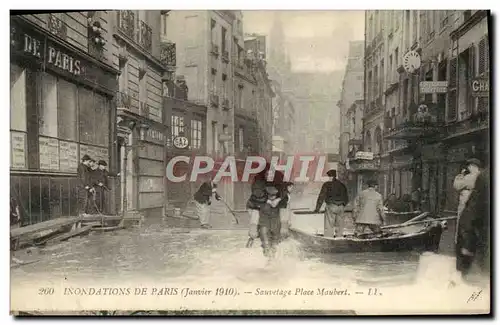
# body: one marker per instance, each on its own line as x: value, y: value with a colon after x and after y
x: 407, y: 29
x: 223, y: 45
x: 48, y: 112
x: 164, y: 23
x: 196, y: 129
x: 215, y: 137
x: 66, y: 110
x: 396, y: 58
x: 177, y: 125
x: 241, y: 139
x: 17, y: 98
x: 415, y: 27
x: 213, y: 31
x: 224, y: 86
x: 368, y: 142
x: 404, y: 90
x: 18, y: 116
x: 391, y: 69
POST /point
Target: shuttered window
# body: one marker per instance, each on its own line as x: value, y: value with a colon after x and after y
x: 483, y: 70
x: 472, y: 73
x: 452, y: 92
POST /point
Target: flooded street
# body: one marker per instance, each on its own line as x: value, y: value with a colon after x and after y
x: 166, y: 254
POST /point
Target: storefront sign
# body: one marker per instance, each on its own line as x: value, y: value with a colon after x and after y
x: 18, y: 150
x: 49, y: 153
x: 68, y: 153
x: 155, y: 136
x: 181, y: 142
x: 364, y: 155
x: 433, y: 87
x: 480, y: 87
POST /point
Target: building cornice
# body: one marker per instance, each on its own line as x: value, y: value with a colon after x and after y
x: 468, y: 24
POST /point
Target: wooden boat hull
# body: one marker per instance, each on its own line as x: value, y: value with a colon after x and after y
x: 427, y: 239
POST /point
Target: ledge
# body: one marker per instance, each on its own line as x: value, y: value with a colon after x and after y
x: 468, y: 24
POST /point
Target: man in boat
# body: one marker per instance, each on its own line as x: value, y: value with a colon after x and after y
x: 202, y: 199
x: 84, y: 185
x: 473, y: 240
x: 368, y: 210
x: 334, y: 194
x: 270, y: 222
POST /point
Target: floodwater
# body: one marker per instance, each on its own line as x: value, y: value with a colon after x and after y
x: 175, y: 256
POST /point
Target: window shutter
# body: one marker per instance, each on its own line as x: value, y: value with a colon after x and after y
x: 482, y: 56
x: 472, y: 74
x: 452, y: 93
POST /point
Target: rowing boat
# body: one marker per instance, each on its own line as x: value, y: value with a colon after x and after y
x: 422, y: 237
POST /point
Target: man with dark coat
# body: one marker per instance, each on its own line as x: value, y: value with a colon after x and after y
x: 334, y: 194
x: 84, y: 185
x: 101, y: 185
x: 270, y: 223
x: 473, y: 238
x: 202, y: 200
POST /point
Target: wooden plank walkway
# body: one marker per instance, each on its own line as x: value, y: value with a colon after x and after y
x: 68, y: 235
x: 42, y: 226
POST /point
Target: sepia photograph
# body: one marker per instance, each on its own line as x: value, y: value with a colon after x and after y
x: 250, y: 162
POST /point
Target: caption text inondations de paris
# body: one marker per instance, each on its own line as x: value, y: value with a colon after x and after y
x: 221, y: 291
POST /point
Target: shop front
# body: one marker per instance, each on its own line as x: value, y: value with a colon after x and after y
x: 186, y: 136
x: 61, y: 109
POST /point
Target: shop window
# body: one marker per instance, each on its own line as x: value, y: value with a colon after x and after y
x: 18, y: 114
x: 66, y: 110
x: 196, y: 129
x: 48, y: 112
x: 101, y: 133
x: 86, y: 115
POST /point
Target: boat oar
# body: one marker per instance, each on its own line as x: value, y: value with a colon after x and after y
x: 308, y: 212
x: 416, y: 223
x: 230, y: 210
x: 417, y: 218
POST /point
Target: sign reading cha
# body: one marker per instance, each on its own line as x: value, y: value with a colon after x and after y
x: 480, y: 87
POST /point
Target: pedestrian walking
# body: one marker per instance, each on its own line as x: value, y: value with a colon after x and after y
x: 84, y: 185
x: 416, y: 199
x: 95, y: 178
x: 334, y: 194
x: 202, y: 199
x: 285, y: 212
x: 270, y: 223
x: 473, y: 239
x: 368, y: 210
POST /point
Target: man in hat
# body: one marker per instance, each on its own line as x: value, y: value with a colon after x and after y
x: 473, y: 238
x: 270, y: 223
x: 368, y: 209
x: 101, y: 185
x: 202, y: 199
x: 334, y: 194
x: 84, y: 185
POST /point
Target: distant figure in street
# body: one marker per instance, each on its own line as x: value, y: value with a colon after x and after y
x: 102, y: 186
x: 270, y: 223
x: 391, y: 202
x: 95, y: 178
x: 473, y: 240
x: 203, y: 201
x: 334, y: 194
x: 416, y: 198
x: 84, y: 185
x: 368, y: 210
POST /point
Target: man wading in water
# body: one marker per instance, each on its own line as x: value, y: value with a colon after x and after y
x: 202, y: 200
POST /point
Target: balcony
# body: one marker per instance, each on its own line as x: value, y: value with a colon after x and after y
x: 225, y: 104
x: 374, y: 106
x: 145, y: 36
x: 214, y: 100
x: 168, y: 55
x: 421, y: 124
x: 214, y: 50
x: 126, y: 23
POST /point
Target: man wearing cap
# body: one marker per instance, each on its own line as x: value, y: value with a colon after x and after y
x: 269, y: 222
x: 84, y: 185
x: 473, y: 238
x: 368, y: 209
x: 334, y: 194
